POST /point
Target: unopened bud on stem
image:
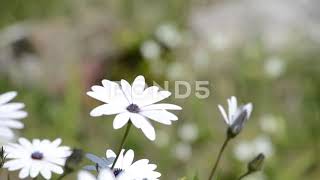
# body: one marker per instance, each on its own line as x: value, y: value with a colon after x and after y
x: 256, y: 164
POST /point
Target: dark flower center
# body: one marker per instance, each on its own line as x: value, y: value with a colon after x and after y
x: 133, y: 108
x: 117, y: 171
x: 37, y: 155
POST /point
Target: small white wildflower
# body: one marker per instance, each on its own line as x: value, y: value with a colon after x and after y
x: 236, y: 117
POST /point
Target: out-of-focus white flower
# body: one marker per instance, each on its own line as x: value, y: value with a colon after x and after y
x: 10, y: 116
x: 218, y: 41
x: 182, y: 151
x: 138, y: 170
x: 264, y: 145
x: 162, y: 139
x: 236, y: 116
x: 104, y: 174
x: 246, y: 150
x: 168, y: 35
x: 256, y: 176
x: 243, y: 151
x: 150, y: 50
x: 39, y: 157
x: 134, y: 103
x: 271, y: 124
x: 274, y: 67
x: 188, y: 132
x: 200, y: 59
x: 176, y: 70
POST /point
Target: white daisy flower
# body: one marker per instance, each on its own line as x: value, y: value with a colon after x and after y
x: 10, y: 114
x: 36, y: 157
x: 138, y: 170
x: 134, y: 103
x: 236, y: 116
x: 105, y: 174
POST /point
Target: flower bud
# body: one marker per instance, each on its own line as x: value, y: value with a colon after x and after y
x: 74, y: 160
x: 2, y: 157
x: 256, y: 164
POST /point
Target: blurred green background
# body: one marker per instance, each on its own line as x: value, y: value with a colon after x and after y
x: 265, y: 52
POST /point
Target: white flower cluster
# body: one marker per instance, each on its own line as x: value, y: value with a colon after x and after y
x: 132, y: 104
x: 32, y: 158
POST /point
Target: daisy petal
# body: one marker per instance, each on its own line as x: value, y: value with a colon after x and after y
x: 24, y: 172
x: 46, y: 173
x: 126, y: 88
x: 110, y: 154
x: 6, y: 97
x: 161, y: 116
x: 14, y: 115
x: 106, y: 109
x: 106, y: 174
x: 161, y: 106
x: 83, y: 175
x: 12, y: 124
x: 35, y: 170
x: 121, y: 120
x: 128, y: 159
x: 154, y: 97
x: 142, y: 123
x: 11, y: 107
x: 6, y: 133
x: 138, y: 85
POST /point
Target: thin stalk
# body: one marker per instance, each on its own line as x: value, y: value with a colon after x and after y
x: 244, y: 175
x: 219, y: 157
x: 122, y: 143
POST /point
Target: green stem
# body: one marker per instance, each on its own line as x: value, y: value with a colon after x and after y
x: 244, y: 175
x: 218, y: 158
x: 122, y: 143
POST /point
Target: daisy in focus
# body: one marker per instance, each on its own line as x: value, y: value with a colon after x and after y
x: 105, y: 174
x: 138, y: 170
x: 236, y: 117
x: 10, y: 116
x: 133, y: 103
x: 36, y: 157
